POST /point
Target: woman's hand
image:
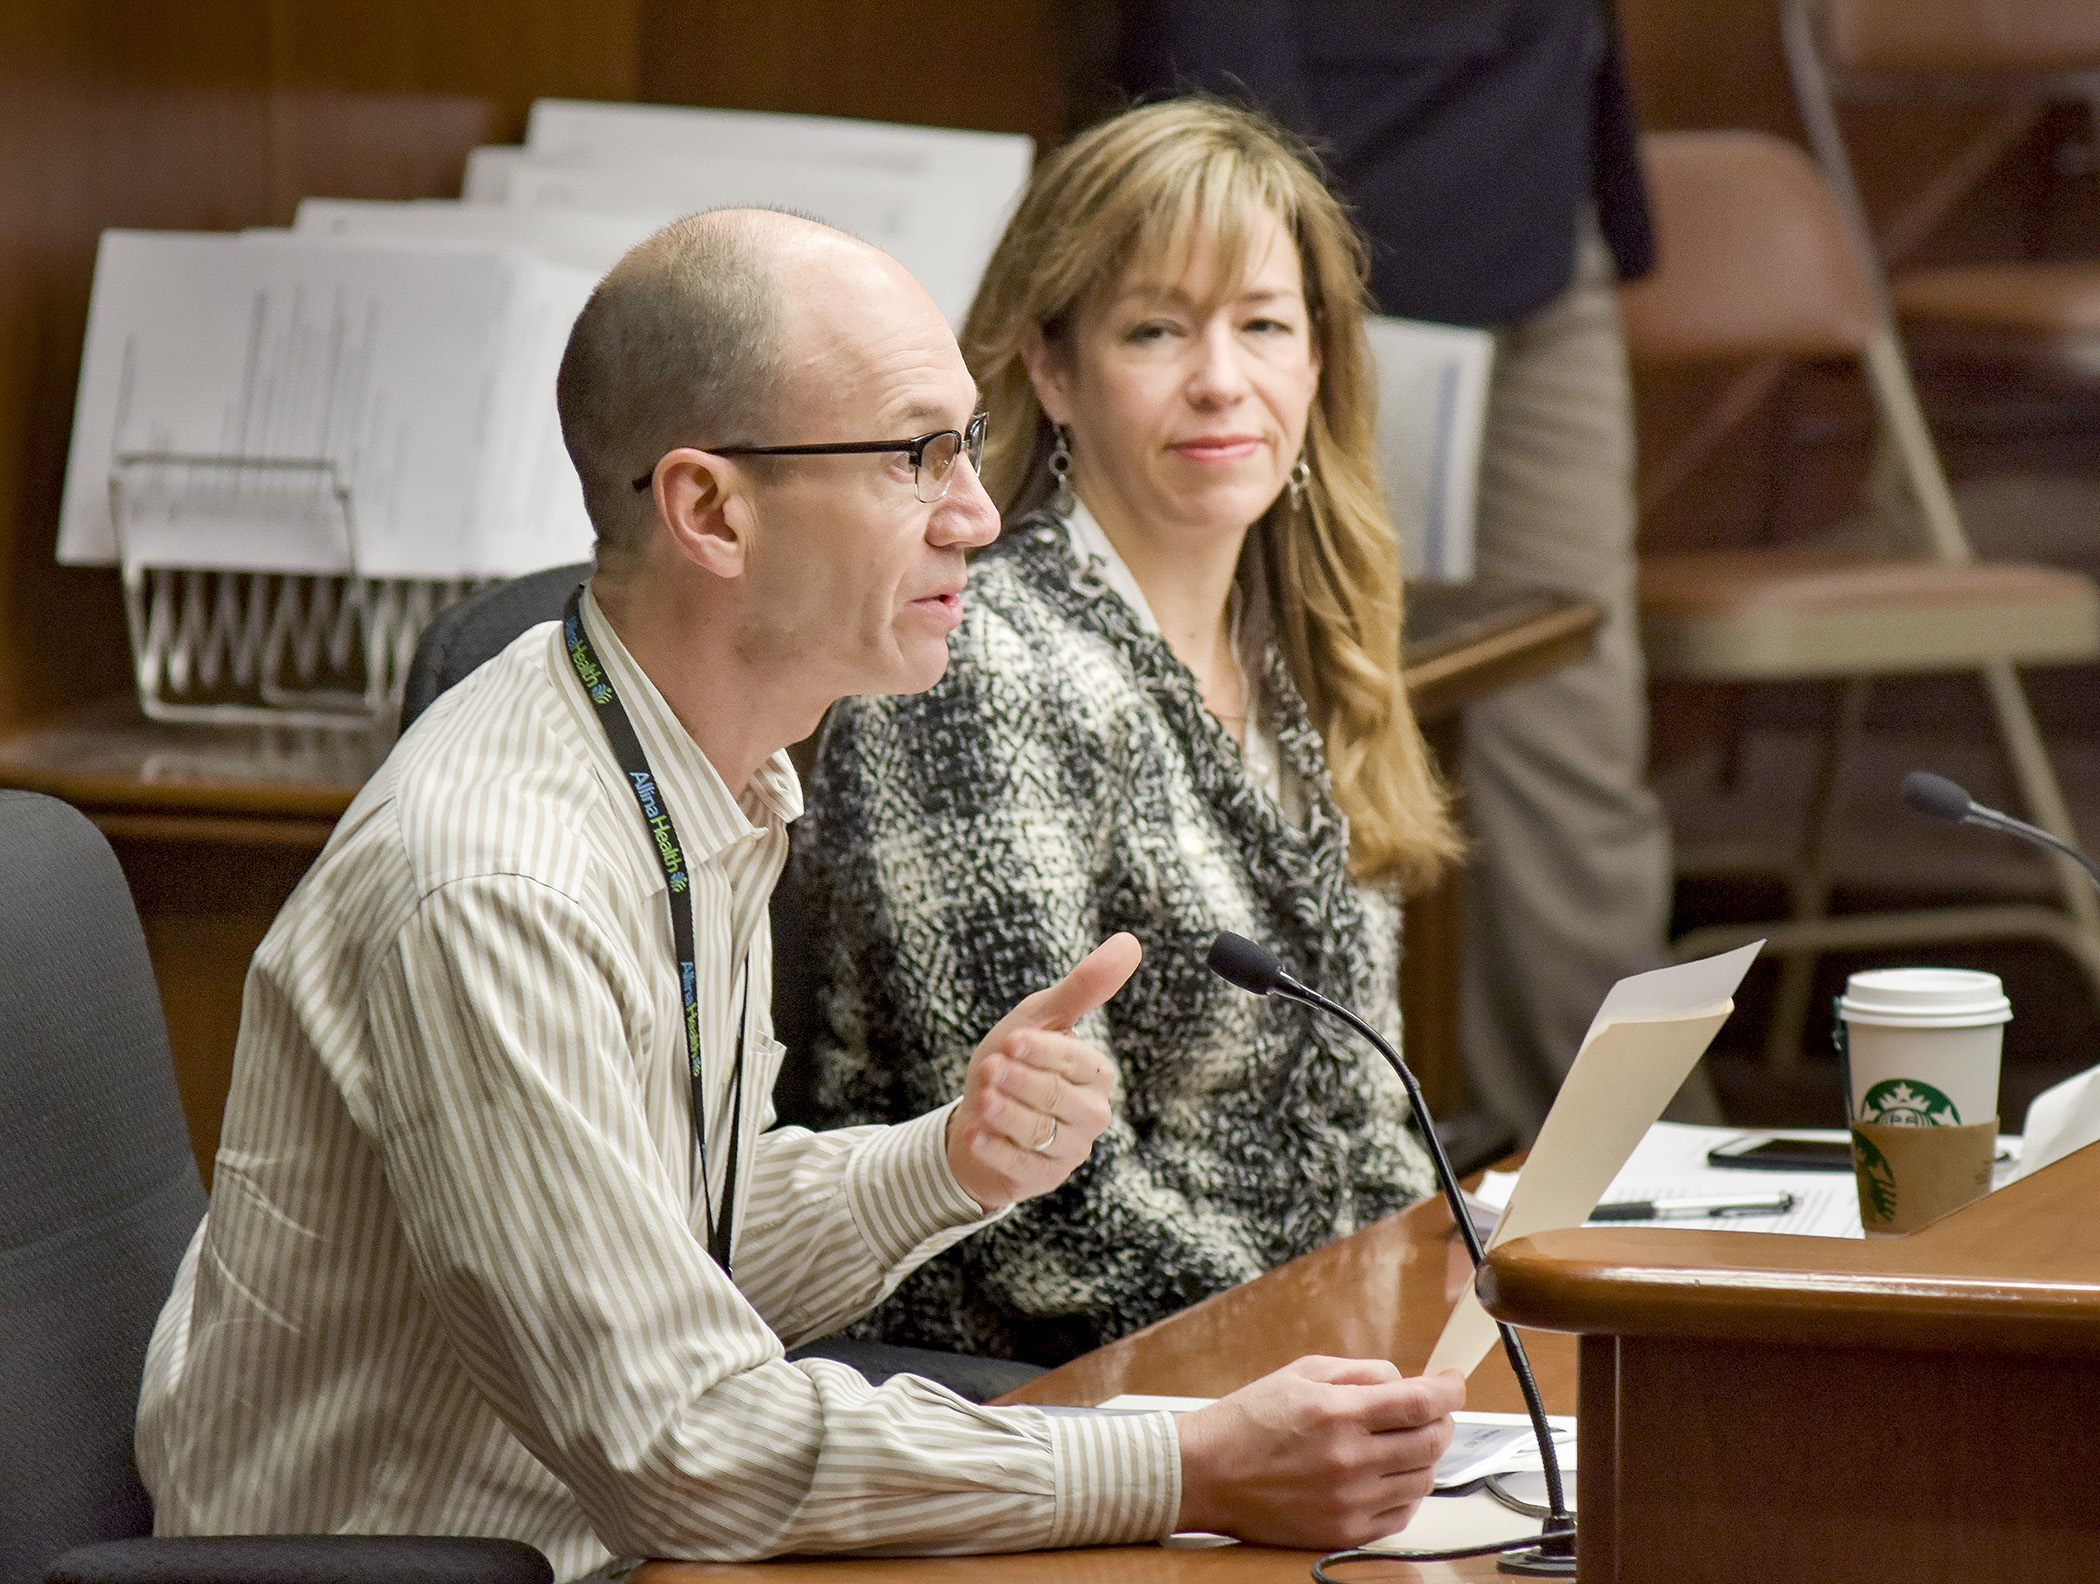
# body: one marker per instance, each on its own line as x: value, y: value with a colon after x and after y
x: 1035, y: 1098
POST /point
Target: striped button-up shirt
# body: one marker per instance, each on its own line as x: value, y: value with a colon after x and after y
x: 455, y: 1279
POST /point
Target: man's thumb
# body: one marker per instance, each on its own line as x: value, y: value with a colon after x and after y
x: 1099, y: 975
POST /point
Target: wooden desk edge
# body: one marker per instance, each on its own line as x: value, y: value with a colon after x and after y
x: 1551, y: 635
x: 102, y: 789
x: 2016, y: 1272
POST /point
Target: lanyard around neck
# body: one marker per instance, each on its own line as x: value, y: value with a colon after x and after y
x: 678, y: 890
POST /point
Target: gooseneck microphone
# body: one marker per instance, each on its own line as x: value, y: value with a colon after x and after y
x: 1255, y: 969
x: 1938, y: 798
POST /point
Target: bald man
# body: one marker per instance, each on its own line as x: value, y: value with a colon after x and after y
x: 502, y: 1240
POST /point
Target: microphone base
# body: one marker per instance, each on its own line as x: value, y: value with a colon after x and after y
x: 1549, y: 1560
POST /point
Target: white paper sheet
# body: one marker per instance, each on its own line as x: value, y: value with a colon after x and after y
x: 910, y: 219
x: 1441, y: 1523
x: 1448, y: 1523
x: 1432, y: 410
x: 1642, y: 1045
x: 1670, y: 1163
x: 535, y: 515
x: 878, y: 208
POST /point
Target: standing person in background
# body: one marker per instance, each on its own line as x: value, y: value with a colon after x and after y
x: 1490, y: 152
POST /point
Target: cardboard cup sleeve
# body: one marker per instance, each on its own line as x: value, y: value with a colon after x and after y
x: 1908, y: 1176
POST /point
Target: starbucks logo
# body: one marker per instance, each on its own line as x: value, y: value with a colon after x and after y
x: 1877, y: 1179
x: 1905, y: 1102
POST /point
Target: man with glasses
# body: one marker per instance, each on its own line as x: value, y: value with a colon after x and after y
x: 503, y: 1242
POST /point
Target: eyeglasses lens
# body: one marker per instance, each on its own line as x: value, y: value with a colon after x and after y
x: 937, y: 466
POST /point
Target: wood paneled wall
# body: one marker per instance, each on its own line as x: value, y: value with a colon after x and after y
x: 214, y: 114
x: 221, y: 113
x: 217, y: 114
x: 997, y: 65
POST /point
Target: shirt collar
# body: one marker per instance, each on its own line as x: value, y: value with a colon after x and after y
x: 709, y: 818
x: 1090, y: 542
x: 1246, y: 607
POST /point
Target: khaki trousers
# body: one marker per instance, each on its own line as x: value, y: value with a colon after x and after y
x: 1568, y: 884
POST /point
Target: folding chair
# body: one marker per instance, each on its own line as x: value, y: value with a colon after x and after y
x: 1757, y: 263
x: 2021, y: 53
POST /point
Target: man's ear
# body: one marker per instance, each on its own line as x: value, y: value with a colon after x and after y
x: 702, y: 507
x: 1045, y: 362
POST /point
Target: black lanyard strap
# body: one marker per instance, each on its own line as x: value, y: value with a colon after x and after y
x: 663, y: 836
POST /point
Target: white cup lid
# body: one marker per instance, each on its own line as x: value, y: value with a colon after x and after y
x: 1924, y: 998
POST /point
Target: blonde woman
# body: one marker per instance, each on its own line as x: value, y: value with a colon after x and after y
x: 1174, y: 707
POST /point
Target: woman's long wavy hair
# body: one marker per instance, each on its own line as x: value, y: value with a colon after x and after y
x: 1140, y: 189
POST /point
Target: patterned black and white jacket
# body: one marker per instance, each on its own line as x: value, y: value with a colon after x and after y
x: 968, y: 845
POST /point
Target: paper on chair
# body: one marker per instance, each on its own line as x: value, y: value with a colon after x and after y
x: 1432, y: 410
x: 1646, y: 1038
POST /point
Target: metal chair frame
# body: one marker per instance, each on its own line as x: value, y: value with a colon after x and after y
x: 2074, y: 927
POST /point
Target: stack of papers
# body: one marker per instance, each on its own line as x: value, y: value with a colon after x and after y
x: 372, y: 392
x: 411, y: 347
x: 417, y: 377
x: 933, y: 198
x: 582, y: 240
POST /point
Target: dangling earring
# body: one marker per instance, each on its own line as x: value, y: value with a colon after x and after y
x: 1301, y: 475
x: 1062, y: 499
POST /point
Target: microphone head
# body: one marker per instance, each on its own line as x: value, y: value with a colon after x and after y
x: 1253, y: 968
x: 1936, y: 797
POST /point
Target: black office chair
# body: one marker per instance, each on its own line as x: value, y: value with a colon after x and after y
x: 98, y: 1198
x: 478, y: 628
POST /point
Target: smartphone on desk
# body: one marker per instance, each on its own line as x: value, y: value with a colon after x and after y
x: 1769, y: 1152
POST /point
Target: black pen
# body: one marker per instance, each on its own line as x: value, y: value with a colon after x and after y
x: 1691, y: 1209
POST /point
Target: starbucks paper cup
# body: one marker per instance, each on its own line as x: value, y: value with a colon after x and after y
x: 1922, y: 1046
x: 1921, y: 1055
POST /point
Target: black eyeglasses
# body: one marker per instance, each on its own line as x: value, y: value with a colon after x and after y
x: 932, y: 455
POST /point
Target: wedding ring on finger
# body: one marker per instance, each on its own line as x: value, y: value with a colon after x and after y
x: 1048, y: 1141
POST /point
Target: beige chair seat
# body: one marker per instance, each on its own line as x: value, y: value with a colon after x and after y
x: 1741, y: 615
x: 2039, y: 299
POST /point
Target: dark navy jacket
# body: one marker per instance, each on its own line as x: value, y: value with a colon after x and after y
x: 1468, y: 134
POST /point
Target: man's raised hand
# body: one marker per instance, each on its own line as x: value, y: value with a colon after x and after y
x: 1036, y: 1098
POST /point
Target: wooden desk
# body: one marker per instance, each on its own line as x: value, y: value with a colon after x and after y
x: 1382, y: 1293
x: 214, y: 826
x: 1791, y: 1408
